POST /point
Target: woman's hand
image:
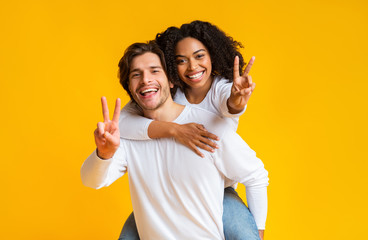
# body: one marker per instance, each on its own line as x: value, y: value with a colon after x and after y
x: 242, y: 88
x: 195, y: 135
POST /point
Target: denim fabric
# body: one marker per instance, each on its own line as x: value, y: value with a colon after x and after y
x: 238, y: 221
x: 129, y: 231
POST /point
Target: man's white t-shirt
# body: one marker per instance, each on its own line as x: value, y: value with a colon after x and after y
x: 175, y: 193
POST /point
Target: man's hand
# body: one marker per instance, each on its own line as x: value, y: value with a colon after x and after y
x: 242, y: 88
x: 261, y: 234
x: 107, y: 135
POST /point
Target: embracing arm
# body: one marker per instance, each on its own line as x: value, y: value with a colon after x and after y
x: 134, y: 126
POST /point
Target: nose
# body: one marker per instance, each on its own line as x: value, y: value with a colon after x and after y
x: 146, y: 78
x: 193, y: 64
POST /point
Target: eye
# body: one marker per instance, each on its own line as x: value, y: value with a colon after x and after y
x: 200, y: 56
x: 180, y: 61
x: 134, y: 75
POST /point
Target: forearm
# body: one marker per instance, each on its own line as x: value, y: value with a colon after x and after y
x: 258, y: 205
x: 132, y: 124
x: 158, y: 129
x: 94, y: 171
x: 233, y: 106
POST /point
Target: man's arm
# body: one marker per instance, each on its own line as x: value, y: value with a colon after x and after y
x: 95, y: 169
x: 237, y: 161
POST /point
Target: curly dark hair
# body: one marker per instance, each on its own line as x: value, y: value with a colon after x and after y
x: 134, y: 50
x: 222, y: 48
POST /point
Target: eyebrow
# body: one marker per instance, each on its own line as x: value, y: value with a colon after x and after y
x: 192, y: 54
x: 151, y: 67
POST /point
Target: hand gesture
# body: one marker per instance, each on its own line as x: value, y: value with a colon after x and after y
x: 242, y: 88
x: 107, y: 135
x: 195, y: 135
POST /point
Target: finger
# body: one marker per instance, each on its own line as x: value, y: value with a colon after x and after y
x: 100, y: 129
x: 115, y: 118
x: 253, y: 86
x: 109, y: 137
x: 196, y: 150
x: 209, y: 143
x: 236, y: 68
x: 249, y: 66
x: 210, y: 135
x: 105, y: 109
x: 250, y: 81
x: 98, y: 138
x: 245, y: 91
x: 204, y: 147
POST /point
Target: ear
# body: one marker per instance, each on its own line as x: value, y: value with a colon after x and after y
x: 171, y: 85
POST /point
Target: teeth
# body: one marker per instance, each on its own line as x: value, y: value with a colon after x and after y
x: 195, y: 75
x: 149, y: 90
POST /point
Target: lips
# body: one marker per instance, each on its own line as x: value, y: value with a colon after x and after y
x: 148, y: 91
x: 195, y: 76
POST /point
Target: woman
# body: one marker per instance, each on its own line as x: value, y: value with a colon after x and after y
x: 202, y: 61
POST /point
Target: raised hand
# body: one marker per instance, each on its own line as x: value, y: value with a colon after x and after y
x: 107, y: 135
x: 242, y: 88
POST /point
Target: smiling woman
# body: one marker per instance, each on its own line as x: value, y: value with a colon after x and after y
x: 194, y: 68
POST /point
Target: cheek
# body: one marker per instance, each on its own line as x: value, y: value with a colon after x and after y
x: 181, y: 69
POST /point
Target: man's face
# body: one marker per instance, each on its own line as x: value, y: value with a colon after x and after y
x: 148, y: 82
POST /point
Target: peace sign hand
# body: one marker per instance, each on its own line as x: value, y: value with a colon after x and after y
x: 242, y: 88
x: 107, y: 135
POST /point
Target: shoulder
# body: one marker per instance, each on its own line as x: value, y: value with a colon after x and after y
x: 221, y: 86
x: 211, y: 121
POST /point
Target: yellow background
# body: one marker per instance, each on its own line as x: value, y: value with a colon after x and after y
x: 306, y: 120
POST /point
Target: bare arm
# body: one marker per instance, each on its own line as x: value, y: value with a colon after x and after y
x: 192, y: 135
x: 242, y: 88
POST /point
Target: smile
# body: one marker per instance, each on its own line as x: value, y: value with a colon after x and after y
x: 148, y: 91
x: 196, y: 76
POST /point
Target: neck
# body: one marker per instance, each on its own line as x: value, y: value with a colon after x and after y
x: 196, y: 95
x: 167, y: 112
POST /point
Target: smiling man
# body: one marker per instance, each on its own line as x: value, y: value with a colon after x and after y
x: 175, y: 193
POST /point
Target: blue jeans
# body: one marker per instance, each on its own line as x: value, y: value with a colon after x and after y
x: 238, y: 221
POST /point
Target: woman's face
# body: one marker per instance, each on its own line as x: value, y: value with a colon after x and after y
x: 193, y: 62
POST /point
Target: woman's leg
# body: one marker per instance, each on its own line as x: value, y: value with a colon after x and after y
x: 238, y: 220
x: 129, y: 231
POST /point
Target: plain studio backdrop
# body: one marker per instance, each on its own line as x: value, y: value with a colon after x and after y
x: 306, y: 119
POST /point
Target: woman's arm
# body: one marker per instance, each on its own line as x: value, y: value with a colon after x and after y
x: 136, y: 127
x: 192, y: 135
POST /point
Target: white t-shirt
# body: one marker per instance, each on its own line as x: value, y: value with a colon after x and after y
x: 134, y: 126
x: 175, y: 193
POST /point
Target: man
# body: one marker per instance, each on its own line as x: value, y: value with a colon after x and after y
x: 175, y: 193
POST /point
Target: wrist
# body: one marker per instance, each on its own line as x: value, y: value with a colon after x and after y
x: 173, y: 129
x: 103, y: 156
x: 232, y: 107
